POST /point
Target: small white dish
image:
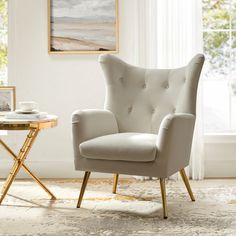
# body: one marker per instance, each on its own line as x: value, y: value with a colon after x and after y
x: 19, y: 111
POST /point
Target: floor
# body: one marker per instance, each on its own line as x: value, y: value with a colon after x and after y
x: 135, y: 210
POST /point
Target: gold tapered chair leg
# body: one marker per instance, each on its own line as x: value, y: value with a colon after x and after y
x: 115, y: 182
x: 163, y: 196
x: 186, y: 182
x: 83, y: 187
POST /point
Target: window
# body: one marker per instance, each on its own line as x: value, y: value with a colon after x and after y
x: 219, y: 26
x: 3, y: 42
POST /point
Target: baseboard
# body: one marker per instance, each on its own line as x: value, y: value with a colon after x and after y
x: 218, y: 168
x: 49, y: 169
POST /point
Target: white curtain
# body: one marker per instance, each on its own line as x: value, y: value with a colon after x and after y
x: 168, y: 33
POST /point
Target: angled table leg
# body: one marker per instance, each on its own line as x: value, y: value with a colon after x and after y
x: 15, y: 165
x: 19, y: 162
x: 28, y: 171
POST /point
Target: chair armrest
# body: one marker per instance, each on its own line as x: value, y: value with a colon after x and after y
x: 174, y: 141
x: 88, y: 124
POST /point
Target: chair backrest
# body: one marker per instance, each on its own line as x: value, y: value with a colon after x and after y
x: 140, y: 98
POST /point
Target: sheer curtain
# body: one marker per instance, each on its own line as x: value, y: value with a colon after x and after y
x: 168, y: 33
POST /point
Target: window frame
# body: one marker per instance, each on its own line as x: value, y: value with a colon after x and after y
x: 229, y: 78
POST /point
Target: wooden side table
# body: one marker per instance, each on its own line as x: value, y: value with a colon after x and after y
x: 34, y: 126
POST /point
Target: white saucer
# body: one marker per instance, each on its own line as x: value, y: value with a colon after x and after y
x: 35, y: 111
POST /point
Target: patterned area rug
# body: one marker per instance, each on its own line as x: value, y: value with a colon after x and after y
x: 135, y: 210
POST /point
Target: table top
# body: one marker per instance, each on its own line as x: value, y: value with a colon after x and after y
x: 19, y: 124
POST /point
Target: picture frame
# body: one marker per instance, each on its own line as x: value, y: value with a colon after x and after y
x: 90, y: 31
x: 7, y: 99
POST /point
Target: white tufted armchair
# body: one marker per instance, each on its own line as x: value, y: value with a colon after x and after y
x: 147, y: 127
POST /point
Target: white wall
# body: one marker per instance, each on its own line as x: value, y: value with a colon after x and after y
x: 63, y: 83
x: 59, y: 83
x: 220, y: 155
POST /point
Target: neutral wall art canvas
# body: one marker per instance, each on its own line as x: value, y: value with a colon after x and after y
x: 83, y: 26
x: 7, y: 99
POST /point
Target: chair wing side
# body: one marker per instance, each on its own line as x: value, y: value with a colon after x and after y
x: 112, y: 67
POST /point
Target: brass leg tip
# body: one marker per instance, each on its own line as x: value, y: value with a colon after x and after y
x: 165, y: 217
x: 53, y: 198
x: 114, y: 192
x: 193, y: 200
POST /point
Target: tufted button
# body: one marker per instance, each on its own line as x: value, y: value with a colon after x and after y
x: 173, y: 111
x: 153, y: 110
x: 166, y: 85
x: 184, y: 80
x: 144, y: 86
x: 130, y: 109
x: 121, y: 79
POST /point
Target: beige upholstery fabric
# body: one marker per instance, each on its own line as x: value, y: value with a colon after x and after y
x: 154, y: 101
x: 140, y: 98
x: 121, y: 147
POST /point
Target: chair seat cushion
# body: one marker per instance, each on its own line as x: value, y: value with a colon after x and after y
x: 136, y: 147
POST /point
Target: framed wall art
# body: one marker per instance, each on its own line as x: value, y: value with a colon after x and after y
x: 7, y: 99
x: 82, y: 26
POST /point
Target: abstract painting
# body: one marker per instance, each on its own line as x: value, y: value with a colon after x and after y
x: 83, y: 26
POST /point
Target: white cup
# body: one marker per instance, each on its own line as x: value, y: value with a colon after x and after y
x: 28, y: 106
